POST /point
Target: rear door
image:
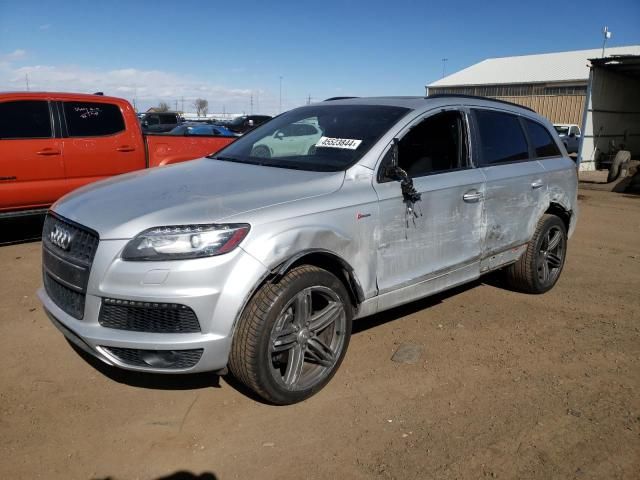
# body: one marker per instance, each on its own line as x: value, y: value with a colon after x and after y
x: 515, y: 181
x: 31, y: 158
x: 98, y: 143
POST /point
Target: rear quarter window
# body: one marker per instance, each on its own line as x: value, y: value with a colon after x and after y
x: 88, y: 119
x: 25, y: 119
x: 542, y: 141
x: 502, y: 139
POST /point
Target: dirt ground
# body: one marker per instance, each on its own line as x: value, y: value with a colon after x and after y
x: 508, y: 386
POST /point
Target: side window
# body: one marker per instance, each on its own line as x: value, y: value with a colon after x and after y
x: 542, y: 141
x: 85, y: 119
x: 168, y: 118
x: 501, y: 137
x: 25, y: 119
x: 437, y: 144
x: 152, y: 119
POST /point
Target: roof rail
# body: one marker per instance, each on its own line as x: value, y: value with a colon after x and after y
x: 475, y: 97
x: 338, y: 98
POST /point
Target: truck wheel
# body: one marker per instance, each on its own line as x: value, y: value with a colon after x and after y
x: 538, y: 269
x: 261, y: 152
x: 292, y: 335
x: 618, y: 165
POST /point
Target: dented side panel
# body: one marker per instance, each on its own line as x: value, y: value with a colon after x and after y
x: 444, y: 233
x: 513, y: 204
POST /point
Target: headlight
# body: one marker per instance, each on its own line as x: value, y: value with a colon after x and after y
x: 185, y: 241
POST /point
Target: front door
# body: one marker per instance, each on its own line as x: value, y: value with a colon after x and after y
x: 443, y: 232
x: 31, y: 158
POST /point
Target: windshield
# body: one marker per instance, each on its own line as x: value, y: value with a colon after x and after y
x: 561, y: 129
x: 320, y: 137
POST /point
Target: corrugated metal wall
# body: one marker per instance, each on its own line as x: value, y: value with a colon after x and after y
x: 557, y: 108
x: 559, y: 103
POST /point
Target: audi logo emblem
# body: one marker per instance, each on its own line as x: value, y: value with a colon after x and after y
x: 61, y: 237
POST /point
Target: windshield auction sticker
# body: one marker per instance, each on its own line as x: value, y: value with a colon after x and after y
x: 346, y: 143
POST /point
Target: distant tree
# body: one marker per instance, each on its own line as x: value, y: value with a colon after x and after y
x: 163, y: 107
x: 202, y: 106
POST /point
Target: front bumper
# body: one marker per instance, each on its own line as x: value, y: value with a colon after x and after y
x: 215, y: 288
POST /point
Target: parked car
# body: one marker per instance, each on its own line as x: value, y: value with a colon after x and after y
x: 294, y: 139
x: 569, y: 135
x: 245, y: 123
x: 153, y: 122
x: 52, y: 143
x: 261, y: 264
x: 201, y: 129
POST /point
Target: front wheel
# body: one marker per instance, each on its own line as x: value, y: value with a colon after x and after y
x: 539, y: 268
x: 292, y: 336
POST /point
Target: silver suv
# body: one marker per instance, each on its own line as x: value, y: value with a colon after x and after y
x: 259, y: 259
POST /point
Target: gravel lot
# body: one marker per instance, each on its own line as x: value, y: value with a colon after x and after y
x: 507, y: 386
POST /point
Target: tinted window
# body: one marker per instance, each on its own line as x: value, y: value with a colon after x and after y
x: 168, y: 118
x: 435, y: 145
x: 85, y: 119
x: 25, y: 119
x: 542, y: 142
x: 501, y: 137
x: 152, y: 120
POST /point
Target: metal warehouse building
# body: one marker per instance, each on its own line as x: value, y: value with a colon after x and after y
x: 553, y: 84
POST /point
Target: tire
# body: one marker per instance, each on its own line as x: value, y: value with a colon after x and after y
x: 539, y: 268
x: 261, y: 151
x: 292, y: 336
x: 618, y: 166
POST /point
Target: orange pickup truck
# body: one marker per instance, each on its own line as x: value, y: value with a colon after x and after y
x: 52, y: 143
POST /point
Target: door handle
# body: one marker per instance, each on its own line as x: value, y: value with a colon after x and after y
x: 49, y: 152
x: 537, y: 184
x: 125, y: 148
x: 472, y: 196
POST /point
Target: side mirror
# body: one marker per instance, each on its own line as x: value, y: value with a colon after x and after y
x: 279, y: 135
x: 250, y: 123
x: 572, y: 135
x: 145, y: 123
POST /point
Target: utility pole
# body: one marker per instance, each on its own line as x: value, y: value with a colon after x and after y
x: 258, y: 101
x: 176, y: 104
x: 607, y: 35
x: 444, y: 63
x: 26, y: 79
x: 251, y: 104
x: 280, y: 104
x: 309, y: 99
x: 182, y: 104
x: 135, y: 95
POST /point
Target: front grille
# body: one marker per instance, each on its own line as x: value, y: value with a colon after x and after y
x: 83, y: 244
x: 147, y: 317
x: 166, y: 359
x: 68, y: 300
x: 66, y: 265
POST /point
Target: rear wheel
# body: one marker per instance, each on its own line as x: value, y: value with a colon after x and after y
x: 539, y: 268
x: 292, y: 336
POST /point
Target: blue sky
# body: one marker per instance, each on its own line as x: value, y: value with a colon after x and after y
x: 229, y: 51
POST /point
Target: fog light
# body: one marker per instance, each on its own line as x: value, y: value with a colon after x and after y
x: 160, y: 358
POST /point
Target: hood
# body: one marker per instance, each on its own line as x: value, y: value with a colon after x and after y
x: 199, y: 191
